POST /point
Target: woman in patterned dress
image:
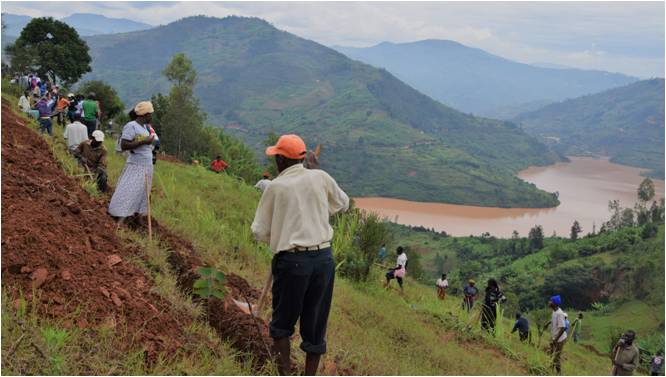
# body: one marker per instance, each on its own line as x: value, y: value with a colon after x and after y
x: 130, y: 196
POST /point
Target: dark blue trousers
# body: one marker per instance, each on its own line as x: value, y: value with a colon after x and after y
x: 303, y: 289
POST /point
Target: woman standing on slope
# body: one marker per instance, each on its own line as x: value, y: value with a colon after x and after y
x: 489, y: 308
x: 398, y: 272
x: 130, y: 196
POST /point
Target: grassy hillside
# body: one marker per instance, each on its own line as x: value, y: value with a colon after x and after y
x: 380, y: 136
x: 372, y: 331
x: 625, y: 123
x: 616, y: 278
x: 475, y: 81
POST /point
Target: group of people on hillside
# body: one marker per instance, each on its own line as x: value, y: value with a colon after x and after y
x: 292, y: 217
x: 625, y: 355
x: 44, y: 102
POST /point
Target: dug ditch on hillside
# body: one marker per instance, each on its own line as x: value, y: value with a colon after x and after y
x: 59, y: 240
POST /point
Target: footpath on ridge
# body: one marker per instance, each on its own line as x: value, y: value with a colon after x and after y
x: 60, y: 243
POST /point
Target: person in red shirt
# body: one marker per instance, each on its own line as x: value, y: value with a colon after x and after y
x: 218, y: 165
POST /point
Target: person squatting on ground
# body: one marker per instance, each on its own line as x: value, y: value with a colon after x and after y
x: 523, y: 327
x: 558, y: 333
x: 470, y: 292
x: 397, y: 272
x: 441, y: 284
x: 293, y: 217
x: 91, y: 153
x: 489, y: 308
x: 130, y: 196
x: 626, y: 356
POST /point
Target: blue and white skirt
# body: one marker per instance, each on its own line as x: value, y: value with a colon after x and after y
x: 130, y: 195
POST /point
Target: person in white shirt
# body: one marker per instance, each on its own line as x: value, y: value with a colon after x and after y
x: 558, y: 332
x: 397, y: 272
x: 442, y: 283
x: 24, y: 102
x: 263, y: 183
x: 75, y: 133
x: 293, y: 217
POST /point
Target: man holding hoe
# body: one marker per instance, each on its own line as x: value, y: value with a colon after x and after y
x: 293, y: 217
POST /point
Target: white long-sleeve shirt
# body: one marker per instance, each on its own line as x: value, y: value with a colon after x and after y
x: 24, y: 104
x: 295, y: 208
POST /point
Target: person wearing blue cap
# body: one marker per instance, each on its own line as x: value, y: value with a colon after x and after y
x: 558, y: 332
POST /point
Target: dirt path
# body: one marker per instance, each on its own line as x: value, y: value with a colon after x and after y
x: 59, y: 240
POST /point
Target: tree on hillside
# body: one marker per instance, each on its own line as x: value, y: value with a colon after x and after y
x: 535, y: 238
x: 182, y: 121
x: 110, y: 103
x: 575, y: 230
x: 52, y: 49
x: 646, y: 190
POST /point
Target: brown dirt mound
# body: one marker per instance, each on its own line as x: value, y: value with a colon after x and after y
x: 58, y: 239
x: 246, y: 333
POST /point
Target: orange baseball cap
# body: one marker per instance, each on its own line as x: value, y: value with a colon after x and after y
x: 290, y: 146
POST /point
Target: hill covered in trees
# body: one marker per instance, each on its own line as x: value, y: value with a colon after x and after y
x: 625, y: 123
x: 476, y: 81
x: 380, y: 136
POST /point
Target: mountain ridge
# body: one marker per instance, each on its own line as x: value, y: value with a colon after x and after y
x: 625, y: 123
x: 255, y: 79
x: 476, y: 81
x: 86, y: 24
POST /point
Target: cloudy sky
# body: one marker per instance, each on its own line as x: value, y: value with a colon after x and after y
x: 625, y: 37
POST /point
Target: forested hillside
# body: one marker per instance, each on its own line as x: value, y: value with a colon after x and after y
x: 625, y: 123
x: 380, y: 136
x: 473, y: 80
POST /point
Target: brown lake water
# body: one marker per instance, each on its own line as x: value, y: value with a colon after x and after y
x: 585, y: 186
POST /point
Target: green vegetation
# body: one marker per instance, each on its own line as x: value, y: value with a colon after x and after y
x: 614, y: 277
x: 625, y: 123
x: 380, y: 136
x: 110, y: 104
x: 51, y: 49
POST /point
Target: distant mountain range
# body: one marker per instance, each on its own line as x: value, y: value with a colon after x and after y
x: 381, y: 137
x: 85, y: 23
x: 625, y: 123
x: 475, y: 81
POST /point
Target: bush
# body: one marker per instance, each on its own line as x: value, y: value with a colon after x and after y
x: 356, y: 240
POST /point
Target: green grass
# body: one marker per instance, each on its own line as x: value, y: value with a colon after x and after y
x: 69, y: 350
x: 371, y: 330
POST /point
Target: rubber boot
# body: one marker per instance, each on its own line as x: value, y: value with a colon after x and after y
x: 311, y: 363
x: 282, y: 348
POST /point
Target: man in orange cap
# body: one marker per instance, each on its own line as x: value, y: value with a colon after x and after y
x: 292, y: 217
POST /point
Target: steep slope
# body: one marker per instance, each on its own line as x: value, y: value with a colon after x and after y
x: 60, y: 248
x: 475, y: 81
x: 381, y: 137
x: 625, y: 123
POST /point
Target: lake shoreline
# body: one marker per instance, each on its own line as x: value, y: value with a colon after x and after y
x: 585, y: 185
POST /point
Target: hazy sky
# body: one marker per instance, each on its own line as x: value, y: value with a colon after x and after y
x: 625, y: 37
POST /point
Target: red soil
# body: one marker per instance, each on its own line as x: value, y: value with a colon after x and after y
x: 58, y: 239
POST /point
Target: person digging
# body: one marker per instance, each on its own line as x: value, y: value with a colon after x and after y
x: 293, y: 217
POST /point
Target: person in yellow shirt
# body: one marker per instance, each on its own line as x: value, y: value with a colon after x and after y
x: 293, y: 217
